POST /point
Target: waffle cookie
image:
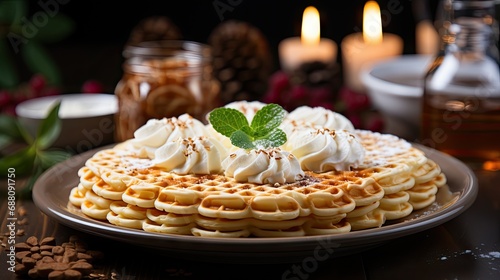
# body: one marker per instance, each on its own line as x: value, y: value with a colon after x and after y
x: 126, y: 187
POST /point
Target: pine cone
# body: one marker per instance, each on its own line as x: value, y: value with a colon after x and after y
x: 242, y: 61
x: 154, y: 28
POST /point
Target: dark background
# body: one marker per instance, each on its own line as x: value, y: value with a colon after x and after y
x: 93, y: 49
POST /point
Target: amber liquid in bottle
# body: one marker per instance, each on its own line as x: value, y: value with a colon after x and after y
x: 461, y: 100
x: 466, y: 127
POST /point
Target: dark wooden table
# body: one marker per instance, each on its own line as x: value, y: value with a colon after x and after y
x: 467, y: 247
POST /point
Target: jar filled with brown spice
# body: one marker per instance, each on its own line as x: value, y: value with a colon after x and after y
x: 164, y: 79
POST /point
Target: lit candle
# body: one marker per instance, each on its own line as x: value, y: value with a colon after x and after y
x: 361, y: 50
x: 310, y: 46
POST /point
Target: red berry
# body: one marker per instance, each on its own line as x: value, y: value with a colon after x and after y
x: 92, y: 86
x: 37, y: 83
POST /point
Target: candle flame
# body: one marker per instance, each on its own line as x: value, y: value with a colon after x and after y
x: 372, y: 23
x: 310, y: 26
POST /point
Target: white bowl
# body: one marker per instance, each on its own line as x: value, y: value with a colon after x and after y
x: 87, y: 119
x: 395, y: 87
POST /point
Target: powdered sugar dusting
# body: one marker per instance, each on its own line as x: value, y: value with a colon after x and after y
x: 492, y: 257
x: 381, y: 147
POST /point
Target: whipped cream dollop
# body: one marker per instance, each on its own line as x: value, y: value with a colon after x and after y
x: 270, y: 166
x: 157, y: 132
x: 322, y: 150
x: 200, y: 155
x: 318, y: 117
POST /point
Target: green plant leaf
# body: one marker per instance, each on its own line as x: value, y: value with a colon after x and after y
x: 227, y: 120
x: 242, y: 140
x: 267, y: 119
x: 57, y: 28
x: 39, y: 61
x: 49, y: 129
x: 22, y: 160
x: 12, y: 11
x: 8, y: 74
x: 50, y: 158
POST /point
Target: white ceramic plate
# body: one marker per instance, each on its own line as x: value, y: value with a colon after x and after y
x: 52, y: 189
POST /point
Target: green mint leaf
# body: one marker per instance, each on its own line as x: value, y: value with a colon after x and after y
x: 263, y: 132
x: 275, y: 138
x: 267, y: 119
x: 227, y: 120
x: 49, y: 129
x: 242, y: 140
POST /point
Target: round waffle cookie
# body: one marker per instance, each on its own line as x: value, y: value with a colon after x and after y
x: 128, y: 190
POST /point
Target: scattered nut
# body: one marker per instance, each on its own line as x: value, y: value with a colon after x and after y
x: 48, y: 241
x: 22, y: 254
x: 32, y: 241
x: 22, y: 211
x: 46, y: 259
x: 57, y: 250
x: 22, y: 247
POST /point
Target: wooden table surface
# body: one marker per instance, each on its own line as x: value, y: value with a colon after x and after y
x: 467, y: 247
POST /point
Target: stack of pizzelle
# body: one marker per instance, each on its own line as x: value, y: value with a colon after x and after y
x: 395, y: 178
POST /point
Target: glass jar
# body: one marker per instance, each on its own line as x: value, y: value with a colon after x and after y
x: 163, y: 79
x: 461, y: 100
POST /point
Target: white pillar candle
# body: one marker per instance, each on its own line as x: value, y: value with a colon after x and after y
x: 309, y: 47
x: 361, y: 50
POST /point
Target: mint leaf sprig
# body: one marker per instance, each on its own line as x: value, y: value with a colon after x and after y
x: 262, y: 133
